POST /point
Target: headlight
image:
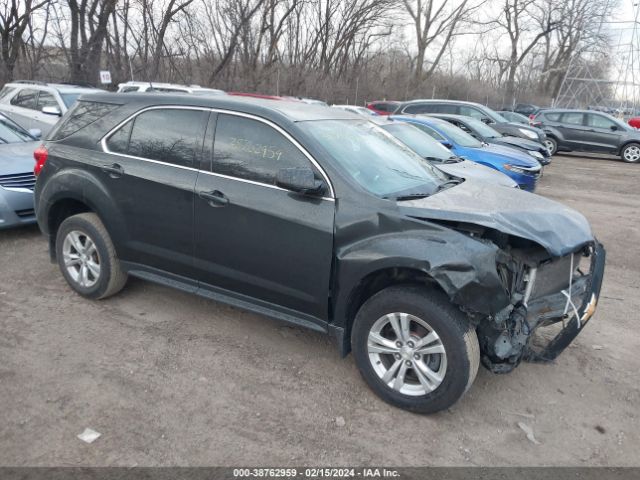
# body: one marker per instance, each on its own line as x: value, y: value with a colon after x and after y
x: 528, y: 133
x: 535, y: 154
x: 514, y: 168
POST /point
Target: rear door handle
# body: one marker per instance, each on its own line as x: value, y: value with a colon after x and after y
x: 114, y: 170
x: 215, y: 198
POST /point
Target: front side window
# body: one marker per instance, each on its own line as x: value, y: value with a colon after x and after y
x: 472, y: 112
x: 26, y: 98
x: 251, y: 150
x: 600, y: 121
x: 167, y: 135
x: 572, y: 118
x: 45, y: 99
x: 374, y: 159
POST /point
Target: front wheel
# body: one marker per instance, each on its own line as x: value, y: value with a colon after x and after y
x: 631, y: 153
x: 414, y: 348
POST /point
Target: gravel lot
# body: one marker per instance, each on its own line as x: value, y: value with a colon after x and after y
x: 173, y: 379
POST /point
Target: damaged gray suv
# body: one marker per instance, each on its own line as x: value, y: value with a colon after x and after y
x: 317, y: 217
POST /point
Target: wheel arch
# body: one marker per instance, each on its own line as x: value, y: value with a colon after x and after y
x: 626, y: 144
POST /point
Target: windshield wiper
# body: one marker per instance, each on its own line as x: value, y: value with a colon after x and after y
x: 453, y: 160
x: 449, y: 183
x: 435, y: 159
x: 408, y: 196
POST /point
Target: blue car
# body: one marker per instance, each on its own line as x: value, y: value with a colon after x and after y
x: 521, y: 167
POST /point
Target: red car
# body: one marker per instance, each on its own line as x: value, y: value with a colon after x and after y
x: 634, y: 122
x: 384, y: 107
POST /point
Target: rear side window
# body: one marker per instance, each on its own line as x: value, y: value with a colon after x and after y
x: 553, y: 117
x: 572, y: 118
x: 167, y: 135
x: 81, y: 115
x: 26, y: 99
x: 419, y: 108
x: 251, y: 150
x: 119, y: 141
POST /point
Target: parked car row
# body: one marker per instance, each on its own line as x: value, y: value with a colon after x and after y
x: 368, y: 231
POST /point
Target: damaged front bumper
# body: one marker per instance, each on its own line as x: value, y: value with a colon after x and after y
x: 574, y: 314
x: 539, y: 329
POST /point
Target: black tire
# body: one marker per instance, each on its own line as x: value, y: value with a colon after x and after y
x: 111, y: 279
x: 631, y: 153
x: 456, y: 334
x: 552, y: 145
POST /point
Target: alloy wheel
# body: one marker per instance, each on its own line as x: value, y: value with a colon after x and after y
x: 550, y: 145
x: 632, y: 153
x: 407, y: 354
x: 81, y: 258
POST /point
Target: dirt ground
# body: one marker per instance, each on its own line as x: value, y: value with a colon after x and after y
x: 173, y: 379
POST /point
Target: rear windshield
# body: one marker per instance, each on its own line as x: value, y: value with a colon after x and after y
x: 81, y: 115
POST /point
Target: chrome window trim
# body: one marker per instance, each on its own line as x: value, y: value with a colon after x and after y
x: 105, y: 149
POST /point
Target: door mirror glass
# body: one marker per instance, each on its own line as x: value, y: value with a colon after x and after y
x: 52, y: 111
x: 301, y: 180
x: 446, y: 143
x: 35, y: 133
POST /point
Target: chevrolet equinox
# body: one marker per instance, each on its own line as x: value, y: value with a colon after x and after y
x: 317, y: 217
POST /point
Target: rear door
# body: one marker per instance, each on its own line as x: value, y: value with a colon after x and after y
x: 150, y: 169
x: 604, y: 135
x: 253, y: 238
x: 573, y: 130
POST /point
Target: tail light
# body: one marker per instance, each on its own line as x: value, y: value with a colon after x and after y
x: 40, y: 154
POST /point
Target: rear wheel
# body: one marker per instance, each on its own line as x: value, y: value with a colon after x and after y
x: 631, y: 153
x: 87, y: 258
x: 552, y: 145
x: 415, y: 349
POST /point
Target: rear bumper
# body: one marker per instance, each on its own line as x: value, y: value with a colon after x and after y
x: 553, y: 308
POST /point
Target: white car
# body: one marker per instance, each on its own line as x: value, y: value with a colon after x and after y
x: 365, y: 112
x: 132, y: 87
x: 39, y: 105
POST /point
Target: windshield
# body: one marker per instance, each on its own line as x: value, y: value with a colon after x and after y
x: 418, y: 141
x: 375, y: 159
x: 482, y: 128
x: 457, y: 135
x: 495, y: 116
x: 12, y: 133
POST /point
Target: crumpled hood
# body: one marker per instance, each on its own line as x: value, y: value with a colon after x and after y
x: 558, y: 229
x: 467, y: 169
x: 17, y: 157
x: 521, y: 142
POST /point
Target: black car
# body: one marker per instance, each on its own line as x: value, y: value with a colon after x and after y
x: 317, y: 217
x: 483, y: 132
x: 589, y: 131
x: 475, y: 110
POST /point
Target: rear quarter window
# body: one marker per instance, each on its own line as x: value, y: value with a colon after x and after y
x: 81, y: 115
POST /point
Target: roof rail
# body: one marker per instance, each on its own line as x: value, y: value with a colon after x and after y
x: 32, y: 82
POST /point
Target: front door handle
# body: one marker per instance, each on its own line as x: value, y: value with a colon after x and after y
x: 114, y: 170
x: 215, y: 198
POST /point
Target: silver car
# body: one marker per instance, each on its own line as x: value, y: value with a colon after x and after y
x: 16, y: 174
x: 39, y: 105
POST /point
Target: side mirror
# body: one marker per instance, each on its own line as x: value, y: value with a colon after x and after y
x: 487, y: 120
x: 301, y: 180
x: 614, y: 128
x: 35, y: 133
x: 446, y: 143
x: 52, y: 111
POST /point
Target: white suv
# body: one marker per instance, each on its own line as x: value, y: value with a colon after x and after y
x: 132, y: 87
x: 38, y: 105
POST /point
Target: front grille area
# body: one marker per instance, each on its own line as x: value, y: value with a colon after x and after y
x: 18, y: 180
x: 28, y: 212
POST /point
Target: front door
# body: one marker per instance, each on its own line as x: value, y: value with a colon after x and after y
x: 604, y: 134
x: 252, y: 238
